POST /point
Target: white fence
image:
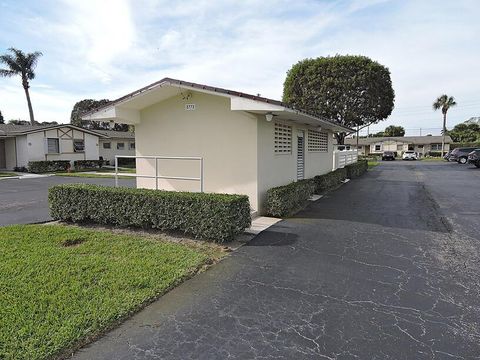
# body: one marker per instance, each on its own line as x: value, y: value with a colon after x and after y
x: 156, y: 176
x: 341, y: 158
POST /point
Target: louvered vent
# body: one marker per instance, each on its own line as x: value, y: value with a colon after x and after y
x: 283, y: 139
x: 317, y: 141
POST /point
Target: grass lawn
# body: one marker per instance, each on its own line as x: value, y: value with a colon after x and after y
x: 90, y: 175
x: 62, y: 285
x: 7, y: 174
x: 433, y: 159
x: 372, y: 163
x: 86, y: 173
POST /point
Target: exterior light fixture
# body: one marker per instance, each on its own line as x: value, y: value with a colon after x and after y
x: 269, y: 116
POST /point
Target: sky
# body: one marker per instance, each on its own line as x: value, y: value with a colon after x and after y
x: 105, y: 49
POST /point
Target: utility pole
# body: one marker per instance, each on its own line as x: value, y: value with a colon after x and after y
x: 420, y: 131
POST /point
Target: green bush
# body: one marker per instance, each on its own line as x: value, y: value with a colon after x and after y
x: 284, y: 200
x: 329, y: 180
x: 217, y: 217
x: 434, y: 154
x: 87, y: 164
x: 39, y: 167
x: 356, y: 169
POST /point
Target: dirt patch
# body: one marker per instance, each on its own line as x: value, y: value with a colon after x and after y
x: 73, y: 241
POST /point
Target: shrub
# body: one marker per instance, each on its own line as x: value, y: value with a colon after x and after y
x: 87, y: 164
x: 284, y: 200
x: 329, y: 180
x: 217, y: 217
x: 356, y: 169
x: 434, y: 153
x: 20, y: 169
x: 48, y: 166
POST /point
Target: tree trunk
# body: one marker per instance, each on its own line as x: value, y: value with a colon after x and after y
x: 444, y: 130
x: 29, y: 102
x: 340, y: 138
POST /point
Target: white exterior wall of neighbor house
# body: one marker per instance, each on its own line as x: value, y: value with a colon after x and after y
x: 31, y: 147
x: 276, y: 169
x: 109, y: 154
x: 22, y: 150
x: 226, y: 139
x: 10, y: 151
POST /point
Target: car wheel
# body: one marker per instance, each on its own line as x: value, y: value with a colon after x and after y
x: 462, y: 160
x: 477, y: 165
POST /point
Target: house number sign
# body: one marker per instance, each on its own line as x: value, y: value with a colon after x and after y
x: 190, y: 107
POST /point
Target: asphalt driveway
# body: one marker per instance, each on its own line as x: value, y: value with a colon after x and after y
x: 24, y: 201
x: 384, y: 268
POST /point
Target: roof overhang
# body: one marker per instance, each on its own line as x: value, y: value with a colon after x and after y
x: 127, y: 108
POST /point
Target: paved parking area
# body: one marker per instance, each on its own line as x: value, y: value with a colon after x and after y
x: 386, y: 267
x: 24, y: 201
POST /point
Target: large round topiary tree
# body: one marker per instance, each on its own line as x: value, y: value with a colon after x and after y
x: 352, y: 90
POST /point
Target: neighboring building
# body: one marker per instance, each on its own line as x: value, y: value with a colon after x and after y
x: 422, y: 145
x: 20, y: 144
x: 249, y: 144
x: 116, y: 143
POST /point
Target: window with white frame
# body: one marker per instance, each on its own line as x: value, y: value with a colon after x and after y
x: 53, y: 146
x: 317, y: 141
x: 377, y: 147
x: 107, y: 145
x: 283, y: 139
x: 120, y: 146
x: 131, y: 145
x: 436, y: 147
x: 78, y: 145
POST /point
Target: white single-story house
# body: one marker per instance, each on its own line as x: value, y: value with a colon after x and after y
x: 116, y: 143
x: 422, y: 145
x: 20, y: 144
x: 248, y: 144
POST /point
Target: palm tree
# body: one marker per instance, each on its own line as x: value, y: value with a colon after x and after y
x: 19, y: 63
x: 444, y: 102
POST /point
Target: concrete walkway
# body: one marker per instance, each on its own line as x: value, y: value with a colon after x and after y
x: 379, y: 269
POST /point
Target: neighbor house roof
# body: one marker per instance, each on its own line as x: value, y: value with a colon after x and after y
x: 405, y: 139
x: 15, y: 130
x: 126, y: 107
x: 117, y: 134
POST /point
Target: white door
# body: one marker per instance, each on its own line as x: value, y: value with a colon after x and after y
x: 300, y: 155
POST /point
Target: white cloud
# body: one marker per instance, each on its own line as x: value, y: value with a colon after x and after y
x: 97, y: 49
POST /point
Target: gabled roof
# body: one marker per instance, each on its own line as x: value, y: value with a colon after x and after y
x: 117, y: 134
x: 404, y: 139
x: 15, y: 130
x: 132, y: 102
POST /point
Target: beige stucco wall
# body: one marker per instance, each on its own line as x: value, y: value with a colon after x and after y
x: 109, y: 154
x: 280, y: 169
x: 226, y: 139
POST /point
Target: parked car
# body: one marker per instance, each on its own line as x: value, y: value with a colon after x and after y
x: 447, y: 155
x: 460, y: 155
x: 409, y: 155
x: 474, y: 158
x: 388, y: 155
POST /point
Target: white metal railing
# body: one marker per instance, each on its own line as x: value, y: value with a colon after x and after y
x: 342, y: 158
x: 156, y: 176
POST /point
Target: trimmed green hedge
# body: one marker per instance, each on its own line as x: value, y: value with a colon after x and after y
x: 284, y: 200
x: 329, y: 180
x: 39, y: 167
x: 87, y: 164
x: 356, y: 169
x: 217, y: 217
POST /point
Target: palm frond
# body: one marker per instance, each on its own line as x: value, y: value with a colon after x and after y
x: 11, y: 63
x: 7, y: 73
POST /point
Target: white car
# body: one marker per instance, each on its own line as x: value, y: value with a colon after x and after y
x: 409, y: 155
